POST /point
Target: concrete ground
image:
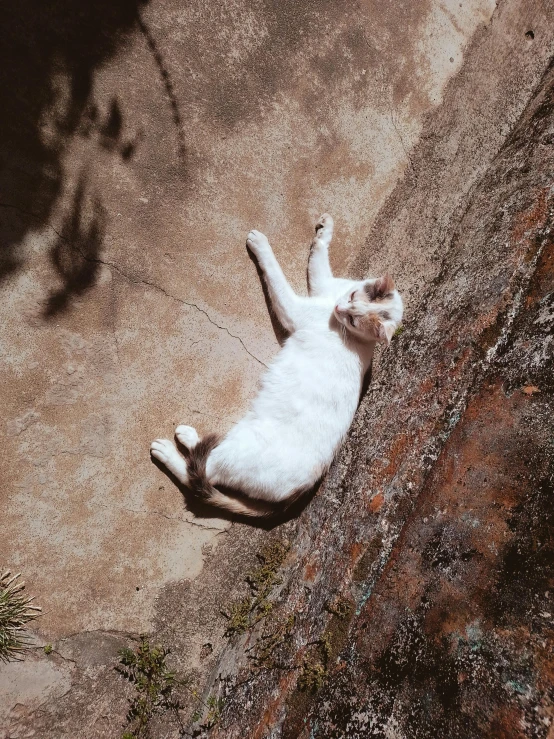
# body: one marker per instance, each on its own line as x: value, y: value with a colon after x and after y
x: 139, y: 144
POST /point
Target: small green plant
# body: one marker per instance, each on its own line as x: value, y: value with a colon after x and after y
x: 154, y: 683
x: 238, y: 616
x: 398, y: 331
x: 16, y: 612
x: 275, y: 636
x: 312, y: 677
x: 316, y: 667
x: 214, y: 708
x: 324, y: 644
x: 246, y: 612
x: 48, y: 649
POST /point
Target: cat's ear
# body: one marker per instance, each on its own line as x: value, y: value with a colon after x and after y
x: 382, y: 287
x: 386, y: 331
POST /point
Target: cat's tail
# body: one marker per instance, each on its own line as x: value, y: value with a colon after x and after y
x: 207, y: 493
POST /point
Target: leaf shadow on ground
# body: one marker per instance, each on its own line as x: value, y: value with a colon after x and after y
x: 43, y: 44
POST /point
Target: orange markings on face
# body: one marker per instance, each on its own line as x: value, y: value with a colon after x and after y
x: 370, y: 322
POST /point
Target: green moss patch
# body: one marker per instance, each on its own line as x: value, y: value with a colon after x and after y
x: 245, y: 613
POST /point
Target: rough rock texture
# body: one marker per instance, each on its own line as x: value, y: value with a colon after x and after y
x: 140, y: 142
x: 420, y: 577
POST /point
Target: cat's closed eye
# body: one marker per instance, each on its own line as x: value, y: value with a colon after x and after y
x: 352, y: 320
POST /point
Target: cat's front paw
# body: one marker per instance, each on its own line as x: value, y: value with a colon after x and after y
x: 164, y: 450
x: 324, y: 227
x: 257, y: 241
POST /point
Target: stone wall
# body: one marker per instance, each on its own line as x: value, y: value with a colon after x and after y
x: 419, y: 580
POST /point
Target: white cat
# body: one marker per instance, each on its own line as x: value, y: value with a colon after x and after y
x: 309, y: 394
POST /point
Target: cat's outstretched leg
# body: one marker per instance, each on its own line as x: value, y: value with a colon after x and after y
x: 165, y: 451
x: 286, y: 303
x: 320, y: 277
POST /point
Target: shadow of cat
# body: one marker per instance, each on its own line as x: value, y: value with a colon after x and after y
x: 282, y: 515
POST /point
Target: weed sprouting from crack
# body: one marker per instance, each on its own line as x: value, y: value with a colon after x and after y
x: 322, y: 652
x: 246, y: 612
x: 312, y: 677
x: 146, y: 669
x: 15, y: 613
x: 215, y: 706
x: 271, y: 640
x: 316, y: 667
x: 156, y: 688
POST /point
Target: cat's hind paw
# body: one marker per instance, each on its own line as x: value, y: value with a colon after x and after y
x: 187, y: 436
x: 163, y: 450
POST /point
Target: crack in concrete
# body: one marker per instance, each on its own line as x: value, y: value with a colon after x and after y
x: 153, y: 285
x: 39, y: 648
x: 60, y: 655
x: 162, y: 515
x: 108, y: 632
x: 77, y: 453
x: 208, y: 415
x: 33, y: 215
x: 138, y: 281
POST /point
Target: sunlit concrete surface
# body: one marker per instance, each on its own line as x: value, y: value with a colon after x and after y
x: 129, y: 303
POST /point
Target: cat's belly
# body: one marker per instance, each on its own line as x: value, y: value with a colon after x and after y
x: 289, y: 437
x: 270, y: 463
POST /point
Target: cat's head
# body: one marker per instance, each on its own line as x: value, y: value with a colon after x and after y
x: 371, y: 310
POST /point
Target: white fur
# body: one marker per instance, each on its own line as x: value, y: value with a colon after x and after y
x: 187, y: 435
x: 310, y: 392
